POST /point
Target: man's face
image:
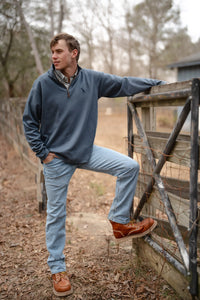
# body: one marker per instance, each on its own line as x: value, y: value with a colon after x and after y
x: 61, y: 56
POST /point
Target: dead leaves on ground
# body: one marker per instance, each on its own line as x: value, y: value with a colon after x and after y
x: 97, y: 271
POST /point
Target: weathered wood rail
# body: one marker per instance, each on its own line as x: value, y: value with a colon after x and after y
x: 173, y: 248
x: 11, y: 112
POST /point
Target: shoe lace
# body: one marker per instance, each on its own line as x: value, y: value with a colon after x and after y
x: 61, y: 275
x: 132, y: 222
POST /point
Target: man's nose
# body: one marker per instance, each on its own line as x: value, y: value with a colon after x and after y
x: 54, y: 56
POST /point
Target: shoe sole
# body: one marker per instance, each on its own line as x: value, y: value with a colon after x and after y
x: 61, y: 294
x: 137, y: 235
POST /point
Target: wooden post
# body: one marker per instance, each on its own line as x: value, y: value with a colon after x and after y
x: 130, y: 131
x: 193, y: 222
x: 130, y: 145
x: 149, y: 123
x: 41, y: 191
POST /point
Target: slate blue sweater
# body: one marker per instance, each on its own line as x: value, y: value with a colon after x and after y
x: 65, y: 122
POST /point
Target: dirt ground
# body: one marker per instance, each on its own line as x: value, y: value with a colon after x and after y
x: 98, y: 268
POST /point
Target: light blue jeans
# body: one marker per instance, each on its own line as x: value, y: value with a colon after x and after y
x: 57, y: 176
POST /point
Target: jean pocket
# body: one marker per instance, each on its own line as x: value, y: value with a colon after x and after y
x: 51, y: 169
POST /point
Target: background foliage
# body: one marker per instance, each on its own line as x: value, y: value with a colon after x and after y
x: 116, y: 37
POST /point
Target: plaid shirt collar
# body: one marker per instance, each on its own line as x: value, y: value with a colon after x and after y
x: 63, y: 79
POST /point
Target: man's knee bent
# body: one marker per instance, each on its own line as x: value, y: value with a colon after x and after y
x: 131, y: 167
x: 135, y: 167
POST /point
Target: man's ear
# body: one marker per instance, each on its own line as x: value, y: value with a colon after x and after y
x: 74, y: 53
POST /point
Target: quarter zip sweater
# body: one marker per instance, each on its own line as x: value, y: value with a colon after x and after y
x: 65, y: 123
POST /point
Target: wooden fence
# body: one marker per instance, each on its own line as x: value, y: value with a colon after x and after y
x: 173, y: 249
x: 11, y: 112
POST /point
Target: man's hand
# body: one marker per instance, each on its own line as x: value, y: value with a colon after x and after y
x: 49, y: 158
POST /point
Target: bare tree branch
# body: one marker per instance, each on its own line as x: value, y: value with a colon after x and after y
x: 32, y: 40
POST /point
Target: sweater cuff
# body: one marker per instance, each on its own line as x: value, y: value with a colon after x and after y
x: 43, y: 154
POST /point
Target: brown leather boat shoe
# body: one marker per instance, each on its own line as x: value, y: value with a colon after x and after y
x: 61, y: 284
x: 133, y: 230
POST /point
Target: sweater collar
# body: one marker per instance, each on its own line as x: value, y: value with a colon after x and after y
x: 52, y: 70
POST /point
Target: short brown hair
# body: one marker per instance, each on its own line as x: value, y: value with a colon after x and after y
x: 71, y: 42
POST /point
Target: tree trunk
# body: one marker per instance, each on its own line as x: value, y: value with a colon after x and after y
x: 51, y: 17
x: 11, y: 92
x: 32, y: 41
x: 61, y: 16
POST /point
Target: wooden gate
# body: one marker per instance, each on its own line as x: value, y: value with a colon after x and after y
x: 171, y: 200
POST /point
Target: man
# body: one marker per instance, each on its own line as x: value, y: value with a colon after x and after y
x: 60, y: 120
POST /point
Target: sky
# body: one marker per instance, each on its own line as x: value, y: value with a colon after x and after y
x: 190, y: 16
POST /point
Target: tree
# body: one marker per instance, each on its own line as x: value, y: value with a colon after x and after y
x: 85, y: 26
x: 58, y: 11
x: 18, y: 68
x: 115, y: 37
x: 12, y: 54
x: 106, y: 34
x: 130, y: 45
x: 177, y: 46
x: 31, y: 39
x: 152, y: 26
